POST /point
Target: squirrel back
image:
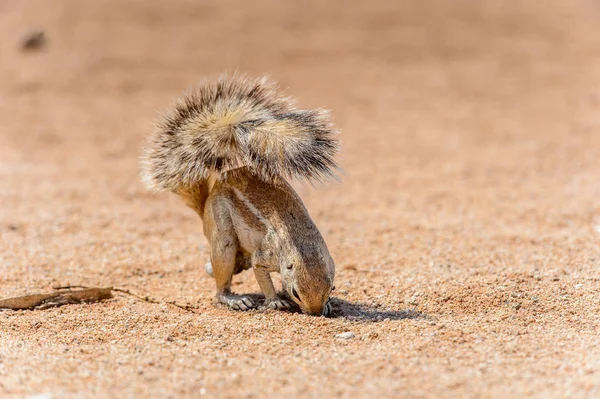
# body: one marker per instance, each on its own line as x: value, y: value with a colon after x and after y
x: 234, y: 122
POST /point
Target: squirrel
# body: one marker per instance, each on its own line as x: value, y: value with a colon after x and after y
x: 227, y: 148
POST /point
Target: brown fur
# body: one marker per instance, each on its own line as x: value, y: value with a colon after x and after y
x: 226, y: 148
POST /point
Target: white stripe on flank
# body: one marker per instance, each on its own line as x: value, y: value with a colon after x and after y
x: 250, y: 238
x: 249, y: 205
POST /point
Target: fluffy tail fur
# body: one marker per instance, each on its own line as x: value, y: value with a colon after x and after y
x: 233, y: 122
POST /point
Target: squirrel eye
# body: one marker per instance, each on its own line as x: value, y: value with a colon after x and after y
x: 333, y: 288
x: 295, y: 293
x: 290, y: 266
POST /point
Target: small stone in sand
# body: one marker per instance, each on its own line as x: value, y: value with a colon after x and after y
x: 345, y: 335
x: 34, y: 40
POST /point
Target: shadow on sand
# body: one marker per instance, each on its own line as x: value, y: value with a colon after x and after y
x: 364, y: 312
x: 356, y: 311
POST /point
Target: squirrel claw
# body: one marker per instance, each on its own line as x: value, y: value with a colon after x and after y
x: 237, y: 302
x: 327, y: 309
x: 278, y: 304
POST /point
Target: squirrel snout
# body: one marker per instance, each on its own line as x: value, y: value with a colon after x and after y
x: 314, y: 305
x: 315, y: 309
x: 316, y: 312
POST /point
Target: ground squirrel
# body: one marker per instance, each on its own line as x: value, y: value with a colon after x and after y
x: 227, y: 148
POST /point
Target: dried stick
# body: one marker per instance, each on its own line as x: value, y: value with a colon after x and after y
x: 63, y: 297
x: 145, y: 298
x: 149, y: 299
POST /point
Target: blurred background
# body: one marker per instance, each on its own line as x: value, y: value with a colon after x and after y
x: 435, y: 99
x: 471, y: 156
x: 398, y: 75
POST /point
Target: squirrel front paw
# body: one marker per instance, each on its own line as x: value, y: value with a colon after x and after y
x: 279, y: 304
x: 237, y: 302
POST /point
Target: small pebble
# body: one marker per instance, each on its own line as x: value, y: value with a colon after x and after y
x: 34, y: 40
x: 345, y: 335
x: 412, y: 301
x: 40, y: 396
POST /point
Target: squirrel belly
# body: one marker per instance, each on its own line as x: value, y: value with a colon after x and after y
x: 226, y: 148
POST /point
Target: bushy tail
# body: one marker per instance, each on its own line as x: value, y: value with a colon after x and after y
x: 233, y: 122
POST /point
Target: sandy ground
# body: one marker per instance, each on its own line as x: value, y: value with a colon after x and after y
x: 466, y: 230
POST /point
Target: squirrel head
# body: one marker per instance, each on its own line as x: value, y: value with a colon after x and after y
x: 308, y: 280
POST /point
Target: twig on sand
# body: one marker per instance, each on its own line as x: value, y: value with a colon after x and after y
x: 67, y: 295
x: 149, y: 299
x: 62, y: 297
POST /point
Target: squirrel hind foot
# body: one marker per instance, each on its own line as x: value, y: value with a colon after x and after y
x: 237, y: 302
x: 209, y: 269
